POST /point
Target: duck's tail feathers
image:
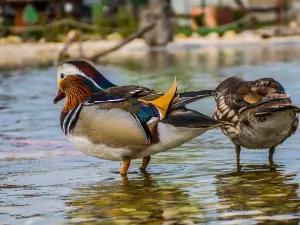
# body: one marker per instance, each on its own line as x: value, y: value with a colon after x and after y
x: 185, y: 98
x: 188, y: 118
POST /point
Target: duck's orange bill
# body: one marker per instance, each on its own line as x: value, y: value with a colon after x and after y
x: 59, y: 96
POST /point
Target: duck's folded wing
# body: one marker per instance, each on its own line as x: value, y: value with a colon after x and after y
x: 180, y: 100
x: 130, y: 91
x: 109, y: 96
x: 266, y: 86
x: 129, y: 103
x: 116, y: 119
x: 235, y: 95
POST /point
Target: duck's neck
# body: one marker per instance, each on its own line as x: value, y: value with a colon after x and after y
x: 76, y: 96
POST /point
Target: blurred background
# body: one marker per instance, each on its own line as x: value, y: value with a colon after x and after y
x: 45, y: 180
x: 98, y: 25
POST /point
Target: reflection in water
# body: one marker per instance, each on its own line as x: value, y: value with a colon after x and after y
x: 261, y: 195
x: 138, y: 201
x: 160, y: 59
x: 208, y: 59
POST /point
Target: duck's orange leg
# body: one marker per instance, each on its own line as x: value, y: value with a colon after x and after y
x: 146, y: 161
x: 126, y: 164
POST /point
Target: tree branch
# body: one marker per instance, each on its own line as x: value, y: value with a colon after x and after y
x: 125, y: 41
x: 240, y: 4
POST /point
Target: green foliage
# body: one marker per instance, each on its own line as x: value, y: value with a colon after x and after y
x: 96, y: 11
x: 105, y: 26
x: 30, y: 15
x: 203, y: 31
x: 184, y: 30
x: 3, y: 27
x: 199, y: 19
x: 126, y: 23
x: 220, y: 30
x: 238, y: 14
x: 38, y: 34
x: 53, y: 33
x: 139, y: 2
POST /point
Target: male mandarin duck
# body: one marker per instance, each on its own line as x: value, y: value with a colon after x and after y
x: 260, y: 112
x: 125, y: 123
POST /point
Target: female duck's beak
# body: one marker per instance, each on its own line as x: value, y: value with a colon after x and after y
x: 59, y: 96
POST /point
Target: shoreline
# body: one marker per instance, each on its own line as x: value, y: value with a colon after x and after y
x: 20, y: 55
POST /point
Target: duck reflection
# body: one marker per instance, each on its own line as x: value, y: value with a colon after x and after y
x: 267, y: 196
x: 138, y: 201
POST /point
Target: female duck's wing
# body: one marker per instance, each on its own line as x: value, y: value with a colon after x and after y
x: 235, y: 95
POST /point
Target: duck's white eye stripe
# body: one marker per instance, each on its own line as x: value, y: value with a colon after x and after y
x: 82, y: 74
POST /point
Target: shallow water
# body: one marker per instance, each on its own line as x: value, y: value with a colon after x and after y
x: 44, y: 180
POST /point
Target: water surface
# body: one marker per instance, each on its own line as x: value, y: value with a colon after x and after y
x: 45, y: 180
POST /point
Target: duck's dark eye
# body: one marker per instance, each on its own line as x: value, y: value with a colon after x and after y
x: 217, y: 94
x: 62, y: 75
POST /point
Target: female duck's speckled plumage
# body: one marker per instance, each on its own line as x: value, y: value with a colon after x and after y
x: 262, y: 115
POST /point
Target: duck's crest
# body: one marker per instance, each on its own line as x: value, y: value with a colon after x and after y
x: 162, y: 103
x: 89, y: 70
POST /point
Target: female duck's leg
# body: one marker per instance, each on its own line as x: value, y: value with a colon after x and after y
x: 146, y: 161
x: 237, y: 153
x: 126, y: 164
x: 271, y: 152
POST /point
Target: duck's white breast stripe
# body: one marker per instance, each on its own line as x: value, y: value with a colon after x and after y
x: 73, y: 118
x: 66, y: 119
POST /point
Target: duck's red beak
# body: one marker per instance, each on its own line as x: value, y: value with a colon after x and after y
x: 59, y: 96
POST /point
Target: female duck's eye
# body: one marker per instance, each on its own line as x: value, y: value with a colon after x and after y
x: 216, y: 94
x: 62, y: 75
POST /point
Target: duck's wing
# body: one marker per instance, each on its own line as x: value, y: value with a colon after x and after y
x: 234, y: 95
x: 130, y: 90
x: 180, y: 100
x: 267, y: 96
x: 111, y: 124
x: 125, y: 121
